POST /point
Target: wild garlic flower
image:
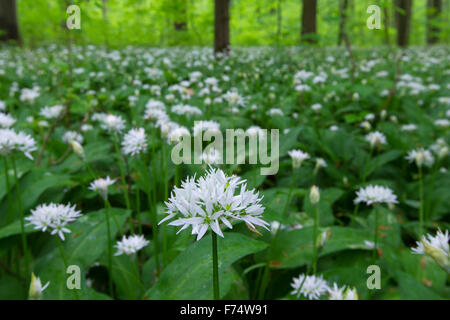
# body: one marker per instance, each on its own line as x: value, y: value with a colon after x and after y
x: 298, y: 156
x: 6, y: 121
x: 113, y: 123
x: 212, y: 156
x: 36, y: 288
x: 420, y: 157
x: 101, y: 186
x: 51, y: 112
x: 134, y: 142
x: 311, y: 287
x: 175, y: 135
x: 53, y: 217
x: 205, y: 125
x: 10, y: 142
x: 211, y: 200
x: 375, y: 194
x: 436, y: 247
x: 70, y: 136
x: 375, y: 138
x: 336, y: 293
x: 130, y: 245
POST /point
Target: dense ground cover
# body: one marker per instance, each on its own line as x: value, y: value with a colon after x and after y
x: 359, y: 119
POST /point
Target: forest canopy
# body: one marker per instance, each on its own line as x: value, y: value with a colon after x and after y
x: 191, y: 23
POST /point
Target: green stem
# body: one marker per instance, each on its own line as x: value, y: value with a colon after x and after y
x: 138, y: 209
x: 375, y: 238
x: 108, y: 231
x: 421, y: 202
x: 66, y: 265
x: 315, y: 228
x: 152, y: 209
x: 22, y: 224
x: 291, y: 187
x: 113, y: 217
x: 215, y: 267
x: 8, y: 187
x: 122, y: 176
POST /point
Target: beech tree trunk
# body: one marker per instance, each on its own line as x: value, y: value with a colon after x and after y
x: 403, y: 14
x: 434, y: 11
x: 309, y: 21
x: 221, y: 26
x: 343, y: 5
x: 9, y: 27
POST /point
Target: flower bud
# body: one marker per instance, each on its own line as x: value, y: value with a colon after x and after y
x: 314, y: 195
x: 78, y: 149
x: 36, y: 288
x: 440, y: 257
x: 351, y: 294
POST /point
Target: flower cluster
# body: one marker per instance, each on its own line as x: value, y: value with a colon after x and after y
x: 54, y: 217
x: 420, y: 157
x: 134, y: 142
x: 298, y: 156
x: 313, y: 287
x: 375, y: 194
x: 211, y: 200
x: 11, y: 141
x: 436, y: 247
x: 130, y: 245
x: 101, y: 186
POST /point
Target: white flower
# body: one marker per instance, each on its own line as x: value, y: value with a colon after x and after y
x: 375, y: 194
x: 375, y: 138
x: 233, y: 98
x: 51, y: 112
x: 321, y: 163
x: 442, y: 123
x: 134, y: 142
x: 213, y: 156
x: 130, y: 245
x: 436, y: 247
x: 10, y: 141
x: 420, y: 157
x: 113, y: 123
x: 275, y: 112
x: 336, y: 293
x: 6, y: 121
x: 36, y: 288
x: 211, y: 200
x: 310, y: 287
x: 54, y: 217
x: 2, y: 105
x: 408, y: 127
x: 176, y: 134
x: 29, y: 95
x: 207, y: 125
x: 316, y: 107
x: 70, y: 136
x: 298, y: 156
x: 101, y: 186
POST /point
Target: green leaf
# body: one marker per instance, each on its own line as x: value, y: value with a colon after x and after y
x: 189, y: 276
x: 82, y: 248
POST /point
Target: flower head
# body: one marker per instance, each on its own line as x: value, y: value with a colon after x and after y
x: 375, y: 138
x: 134, y: 142
x: 101, y: 186
x: 298, y: 156
x: 36, y: 288
x: 420, y: 157
x: 436, y: 247
x: 311, y: 287
x: 212, y: 200
x: 10, y: 141
x: 113, y: 123
x: 130, y: 245
x: 6, y: 121
x: 375, y: 194
x: 53, y: 217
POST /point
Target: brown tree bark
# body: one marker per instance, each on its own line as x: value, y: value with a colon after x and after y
x: 434, y: 10
x: 309, y: 21
x: 221, y: 26
x: 403, y: 15
x: 9, y: 27
x: 343, y: 5
x: 180, y: 23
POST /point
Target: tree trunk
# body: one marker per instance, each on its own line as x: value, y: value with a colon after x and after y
x: 180, y: 23
x: 403, y: 14
x: 221, y: 26
x: 386, y: 20
x: 9, y: 28
x: 343, y: 5
x: 434, y: 10
x: 309, y: 21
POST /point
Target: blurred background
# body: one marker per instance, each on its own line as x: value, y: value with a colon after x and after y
x: 251, y: 22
